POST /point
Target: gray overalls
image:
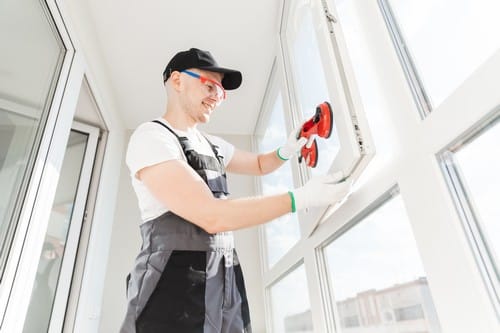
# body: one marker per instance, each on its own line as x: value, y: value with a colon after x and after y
x: 186, y: 280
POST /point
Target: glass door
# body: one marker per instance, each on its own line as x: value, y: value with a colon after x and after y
x: 55, y: 267
x: 31, y: 62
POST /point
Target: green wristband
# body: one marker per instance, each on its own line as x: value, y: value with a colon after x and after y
x: 279, y: 156
x: 290, y: 193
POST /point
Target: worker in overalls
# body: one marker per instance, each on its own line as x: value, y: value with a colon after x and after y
x: 187, y: 276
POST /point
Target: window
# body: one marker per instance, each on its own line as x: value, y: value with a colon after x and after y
x: 365, y: 253
x: 290, y: 303
x: 471, y: 168
x: 272, y: 131
x: 32, y: 57
x: 441, y: 43
x: 318, y: 70
x: 372, y: 273
x: 282, y: 233
x: 309, y: 77
x: 375, y: 109
x: 409, y: 313
x: 49, y: 265
x: 351, y: 321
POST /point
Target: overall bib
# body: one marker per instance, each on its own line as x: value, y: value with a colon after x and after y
x: 185, y: 279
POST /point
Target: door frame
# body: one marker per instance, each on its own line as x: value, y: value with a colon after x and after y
x: 78, y: 216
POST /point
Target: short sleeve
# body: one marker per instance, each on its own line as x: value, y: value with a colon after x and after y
x: 151, y: 144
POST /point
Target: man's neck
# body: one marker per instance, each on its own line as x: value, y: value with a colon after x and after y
x: 178, y: 120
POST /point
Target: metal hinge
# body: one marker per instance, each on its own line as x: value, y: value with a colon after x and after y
x: 357, y: 132
x: 330, y: 19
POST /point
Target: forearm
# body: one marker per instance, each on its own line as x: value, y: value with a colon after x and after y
x: 269, y: 162
x: 261, y: 164
x: 224, y: 215
x: 187, y: 195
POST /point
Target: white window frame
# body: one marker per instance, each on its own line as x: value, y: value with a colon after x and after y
x: 356, y: 144
x: 417, y: 88
x: 275, y: 85
x: 268, y: 295
x: 462, y: 304
x: 20, y: 270
x: 357, y: 150
x: 75, y: 226
x: 31, y: 112
x: 329, y: 307
x: 76, y: 317
x: 465, y: 208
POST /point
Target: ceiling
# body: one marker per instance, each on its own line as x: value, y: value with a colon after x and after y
x: 138, y: 38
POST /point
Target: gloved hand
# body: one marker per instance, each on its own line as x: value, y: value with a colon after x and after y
x: 293, y: 145
x: 321, y: 191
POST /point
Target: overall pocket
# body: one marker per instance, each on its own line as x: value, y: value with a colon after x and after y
x: 177, y: 303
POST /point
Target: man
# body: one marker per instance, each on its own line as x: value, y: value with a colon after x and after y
x: 187, y: 277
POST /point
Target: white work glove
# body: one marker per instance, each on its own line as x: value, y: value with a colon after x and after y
x: 293, y: 145
x: 321, y: 191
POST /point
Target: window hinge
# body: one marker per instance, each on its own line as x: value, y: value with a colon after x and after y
x: 359, y: 136
x: 330, y: 17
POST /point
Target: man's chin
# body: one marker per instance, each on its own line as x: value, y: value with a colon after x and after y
x: 205, y: 118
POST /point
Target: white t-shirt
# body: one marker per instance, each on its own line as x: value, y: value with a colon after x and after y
x: 151, y: 144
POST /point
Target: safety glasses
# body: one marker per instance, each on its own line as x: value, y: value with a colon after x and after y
x: 213, y: 87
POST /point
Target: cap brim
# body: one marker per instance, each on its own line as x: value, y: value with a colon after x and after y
x: 232, y: 78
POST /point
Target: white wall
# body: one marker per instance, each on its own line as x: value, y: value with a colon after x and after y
x: 125, y: 244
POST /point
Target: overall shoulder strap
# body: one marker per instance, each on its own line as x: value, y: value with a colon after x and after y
x: 202, y: 163
x: 184, y: 141
x: 215, y: 148
x: 162, y: 124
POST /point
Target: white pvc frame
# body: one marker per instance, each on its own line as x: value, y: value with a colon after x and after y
x: 329, y: 307
x: 461, y: 299
x: 276, y: 84
x: 77, y: 219
x: 20, y: 269
x: 356, y: 144
x: 465, y: 210
x: 418, y: 91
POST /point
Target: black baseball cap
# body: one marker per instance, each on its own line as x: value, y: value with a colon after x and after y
x: 196, y: 58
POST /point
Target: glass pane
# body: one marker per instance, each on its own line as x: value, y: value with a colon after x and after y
x: 49, y: 266
x: 447, y: 39
x: 367, y: 79
x: 291, y: 308
x: 283, y: 232
x: 378, y: 281
x: 31, y: 59
x: 479, y: 162
x: 309, y: 79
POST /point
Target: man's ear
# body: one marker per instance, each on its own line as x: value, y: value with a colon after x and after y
x: 175, y: 80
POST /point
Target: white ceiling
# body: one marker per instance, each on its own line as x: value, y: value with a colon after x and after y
x: 138, y: 38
